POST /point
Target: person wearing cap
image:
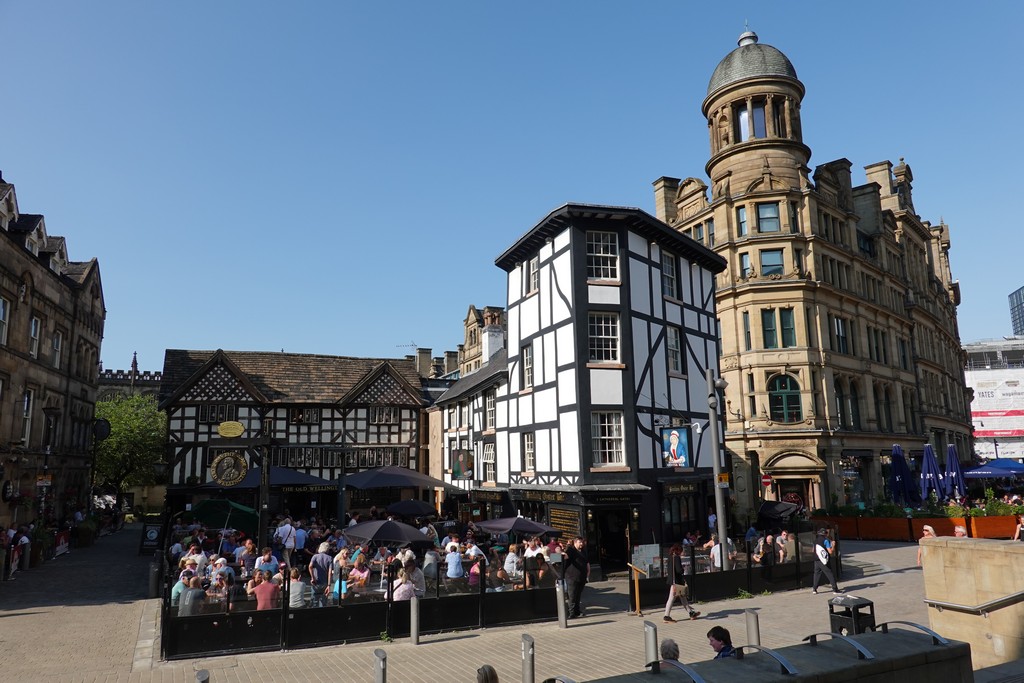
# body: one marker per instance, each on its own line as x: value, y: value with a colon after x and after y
x: 180, y: 585
x: 189, y: 565
x: 220, y: 567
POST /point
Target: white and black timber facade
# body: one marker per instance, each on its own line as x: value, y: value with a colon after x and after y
x: 316, y: 415
x: 611, y: 326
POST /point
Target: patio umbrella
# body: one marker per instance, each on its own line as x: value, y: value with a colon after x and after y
x: 412, y: 508
x: 931, y: 476
x: 387, y: 532
x: 986, y: 472
x: 515, y: 525
x: 394, y: 477
x: 1006, y: 464
x: 902, y: 488
x: 954, y: 479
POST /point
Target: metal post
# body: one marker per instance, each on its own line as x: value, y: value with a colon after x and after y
x: 753, y: 627
x: 414, y: 620
x: 380, y: 667
x: 264, y: 511
x: 560, y: 603
x: 651, y: 652
x: 202, y: 676
x: 527, y: 659
x: 716, y: 465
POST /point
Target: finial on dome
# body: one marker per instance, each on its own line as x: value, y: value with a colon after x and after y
x: 748, y: 37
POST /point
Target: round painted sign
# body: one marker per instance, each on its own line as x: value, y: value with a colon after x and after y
x: 766, y: 480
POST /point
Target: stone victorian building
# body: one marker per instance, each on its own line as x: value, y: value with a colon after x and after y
x: 51, y: 327
x: 837, y: 309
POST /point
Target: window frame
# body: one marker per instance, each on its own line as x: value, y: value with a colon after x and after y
x: 490, y: 402
x: 787, y: 328
x: 490, y: 462
x: 532, y: 278
x: 602, y: 256
x: 607, y: 438
x: 28, y: 401
x: 763, y: 220
x: 529, y: 451
x: 5, y: 312
x: 526, y: 377
x: 603, y: 347
x: 775, y: 269
x: 769, y: 329
x: 741, y: 221
x: 669, y: 274
x: 57, y: 341
x: 674, y: 349
x: 34, y: 327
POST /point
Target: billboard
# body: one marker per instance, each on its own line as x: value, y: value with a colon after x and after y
x: 462, y: 463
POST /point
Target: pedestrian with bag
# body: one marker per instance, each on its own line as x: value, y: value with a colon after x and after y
x: 577, y: 573
x: 677, y: 587
x: 824, y: 548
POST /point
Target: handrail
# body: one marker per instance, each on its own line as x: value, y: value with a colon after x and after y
x: 862, y: 652
x: 936, y: 638
x: 784, y: 665
x: 694, y: 676
x: 983, y: 609
x: 635, y: 568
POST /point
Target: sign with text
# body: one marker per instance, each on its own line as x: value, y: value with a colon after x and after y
x: 675, y: 447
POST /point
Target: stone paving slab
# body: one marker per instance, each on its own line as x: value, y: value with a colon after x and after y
x: 84, y: 618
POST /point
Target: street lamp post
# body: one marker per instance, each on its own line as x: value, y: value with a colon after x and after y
x: 713, y: 386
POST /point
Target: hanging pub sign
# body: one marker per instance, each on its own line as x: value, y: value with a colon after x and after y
x: 675, y: 447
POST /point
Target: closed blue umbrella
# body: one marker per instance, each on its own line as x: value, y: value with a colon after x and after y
x: 931, y: 476
x: 900, y: 483
x: 954, y: 479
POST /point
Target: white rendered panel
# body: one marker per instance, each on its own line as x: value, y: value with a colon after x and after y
x: 603, y: 294
x: 542, y: 455
x: 647, y: 446
x: 544, y: 299
x: 528, y: 316
x: 512, y: 321
x: 640, y: 286
x: 513, y: 410
x: 567, y: 387
x: 638, y: 244
x: 606, y: 387
x: 565, y: 351
x: 560, y: 288
x: 544, y: 406
x: 674, y: 314
x: 569, y: 439
x: 550, y: 356
x: 526, y: 409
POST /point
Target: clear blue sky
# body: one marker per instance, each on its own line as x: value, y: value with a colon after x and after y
x: 338, y: 177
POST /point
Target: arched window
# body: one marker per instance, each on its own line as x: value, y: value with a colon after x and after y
x: 784, y: 399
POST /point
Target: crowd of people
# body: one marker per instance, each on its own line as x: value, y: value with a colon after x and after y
x: 317, y: 565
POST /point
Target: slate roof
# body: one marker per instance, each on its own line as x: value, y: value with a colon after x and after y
x: 287, y: 377
x: 27, y: 222
x: 77, y: 270
x: 492, y: 373
x: 750, y: 60
x: 52, y: 245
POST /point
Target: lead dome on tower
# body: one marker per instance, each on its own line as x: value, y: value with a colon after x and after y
x: 750, y: 60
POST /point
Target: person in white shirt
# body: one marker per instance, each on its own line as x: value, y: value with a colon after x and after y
x: 285, y: 535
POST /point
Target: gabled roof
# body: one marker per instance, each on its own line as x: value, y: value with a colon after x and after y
x: 287, y: 377
x: 53, y: 245
x: 637, y: 220
x: 495, y: 372
x: 26, y: 223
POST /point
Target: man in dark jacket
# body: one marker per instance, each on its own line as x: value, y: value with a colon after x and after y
x: 577, y: 573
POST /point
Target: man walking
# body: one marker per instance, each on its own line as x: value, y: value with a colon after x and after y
x: 823, y: 550
x: 577, y: 573
x: 285, y: 535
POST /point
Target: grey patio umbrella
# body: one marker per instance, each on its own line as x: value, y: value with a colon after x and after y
x: 412, y: 508
x: 387, y: 532
x: 515, y: 525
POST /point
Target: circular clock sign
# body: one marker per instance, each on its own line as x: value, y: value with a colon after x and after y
x: 228, y: 468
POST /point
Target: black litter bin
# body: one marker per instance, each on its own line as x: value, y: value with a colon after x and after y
x: 849, y: 615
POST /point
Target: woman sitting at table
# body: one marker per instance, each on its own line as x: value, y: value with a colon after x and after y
x: 250, y: 588
x: 402, y: 588
x: 514, y: 564
x: 360, y: 573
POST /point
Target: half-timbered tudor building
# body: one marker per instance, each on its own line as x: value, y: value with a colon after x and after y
x: 611, y: 325
x: 313, y: 414
x: 51, y: 325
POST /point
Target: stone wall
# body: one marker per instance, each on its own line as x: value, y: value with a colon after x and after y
x: 971, y: 571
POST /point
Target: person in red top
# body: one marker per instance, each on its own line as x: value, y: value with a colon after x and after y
x: 267, y: 593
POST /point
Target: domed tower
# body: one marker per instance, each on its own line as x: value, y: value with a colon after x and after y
x: 753, y: 113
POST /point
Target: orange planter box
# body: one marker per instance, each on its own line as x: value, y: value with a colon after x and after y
x: 993, y: 527
x: 943, y: 525
x: 884, y: 529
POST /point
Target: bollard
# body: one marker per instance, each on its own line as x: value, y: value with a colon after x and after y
x: 154, y: 580
x: 753, y: 628
x: 414, y: 619
x: 380, y: 669
x: 560, y: 597
x: 651, y: 651
x: 202, y: 676
x: 528, y: 653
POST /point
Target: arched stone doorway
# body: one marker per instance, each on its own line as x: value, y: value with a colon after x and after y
x: 796, y: 478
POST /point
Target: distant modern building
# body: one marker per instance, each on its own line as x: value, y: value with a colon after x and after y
x: 837, y: 309
x: 1017, y: 312
x: 51, y: 327
x: 995, y: 372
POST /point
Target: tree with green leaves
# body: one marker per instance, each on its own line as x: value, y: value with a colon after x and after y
x: 138, y: 438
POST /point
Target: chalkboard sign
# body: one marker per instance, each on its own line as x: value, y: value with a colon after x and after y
x: 150, y: 540
x: 565, y: 520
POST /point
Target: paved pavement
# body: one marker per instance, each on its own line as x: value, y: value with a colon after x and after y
x: 84, y: 617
